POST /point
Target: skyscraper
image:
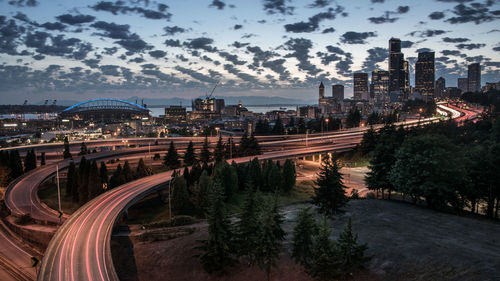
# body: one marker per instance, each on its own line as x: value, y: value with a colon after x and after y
x: 440, y: 87
x: 474, y: 77
x: 338, y: 92
x: 425, y: 74
x: 396, y: 66
x: 379, y: 88
x: 321, y: 91
x: 463, y: 85
x: 360, y: 85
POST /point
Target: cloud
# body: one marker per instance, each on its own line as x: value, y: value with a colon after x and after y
x: 455, y: 40
x: 120, y: 7
x: 238, y: 45
x: 406, y: 44
x: 277, y: 66
x: 326, y: 58
x: 92, y: 63
x: 328, y: 30
x: 113, y: 30
x: 352, y: 37
x: 243, y: 76
x: 24, y: 3
x: 54, y: 26
x: 157, y: 54
x: 232, y: 58
x: 377, y: 1
x: 259, y: 55
x: 300, y: 50
x: 436, y: 15
x: 75, y: 20
x: 172, y: 43
x: 196, y: 75
x: 421, y: 50
x: 313, y: 23
x: 403, y: 9
x: 427, y: 33
x: 58, y: 46
x: 218, y: 4
x: 470, y: 46
x: 320, y: 3
x: 278, y: 7
x: 134, y: 45
x: 452, y: 53
x: 10, y: 34
x: 202, y: 43
x: 237, y: 26
x: 344, y: 67
x: 111, y: 70
x: 387, y: 17
x: 172, y: 30
x: 476, y: 12
x: 497, y: 49
x: 375, y: 55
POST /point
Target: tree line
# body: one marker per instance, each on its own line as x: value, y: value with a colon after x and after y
x: 447, y: 165
x: 11, y: 164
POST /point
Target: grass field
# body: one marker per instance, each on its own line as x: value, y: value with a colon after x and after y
x: 48, y: 195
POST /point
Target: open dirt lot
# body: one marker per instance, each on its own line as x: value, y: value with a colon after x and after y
x: 407, y: 243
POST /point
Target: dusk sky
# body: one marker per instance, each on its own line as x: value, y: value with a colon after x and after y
x: 78, y: 50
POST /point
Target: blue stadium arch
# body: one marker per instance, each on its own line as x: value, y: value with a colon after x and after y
x: 105, y: 109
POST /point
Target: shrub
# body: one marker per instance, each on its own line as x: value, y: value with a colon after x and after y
x: 370, y: 195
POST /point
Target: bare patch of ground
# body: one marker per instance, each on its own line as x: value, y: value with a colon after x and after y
x: 407, y: 242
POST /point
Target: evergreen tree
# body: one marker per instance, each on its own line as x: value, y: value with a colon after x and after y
x: 230, y: 146
x: 248, y: 228
x: 30, y: 160
x: 94, y: 186
x: 42, y: 159
x: 142, y: 170
x: 352, y: 254
x: 303, y: 234
x: 273, y: 177
x: 353, y: 118
x: 289, y: 176
x: 228, y: 177
x: 189, y: 156
x: 330, y: 195
x: 262, y: 127
x: 278, y: 128
x: 15, y: 164
x: 67, y: 151
x: 204, y: 185
x: 255, y: 174
x: 325, y: 259
x: 71, y: 179
x: 205, y: 154
x: 83, y: 149
x: 216, y: 250
x: 369, y: 141
x: 127, y: 172
x: 253, y: 146
x: 103, y: 175
x: 180, y: 197
x: 172, y: 157
x: 219, y: 151
x: 83, y: 187
x: 187, y: 177
x: 243, y: 149
x: 302, y: 126
x: 117, y: 178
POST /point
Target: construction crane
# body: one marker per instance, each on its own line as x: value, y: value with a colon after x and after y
x: 211, y: 93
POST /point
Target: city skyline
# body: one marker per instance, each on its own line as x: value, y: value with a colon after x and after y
x: 264, y: 48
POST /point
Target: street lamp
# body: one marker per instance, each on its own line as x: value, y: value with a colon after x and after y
x: 326, y: 120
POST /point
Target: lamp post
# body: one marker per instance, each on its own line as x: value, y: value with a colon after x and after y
x: 326, y: 120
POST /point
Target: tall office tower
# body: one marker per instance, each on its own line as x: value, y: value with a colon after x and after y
x: 379, y: 88
x: 396, y: 66
x: 406, y: 89
x: 463, y: 85
x: 338, y: 92
x: 425, y: 73
x: 440, y: 88
x: 321, y: 91
x: 360, y: 85
x: 474, y: 77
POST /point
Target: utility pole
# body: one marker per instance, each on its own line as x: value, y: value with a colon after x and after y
x: 58, y: 193
x: 169, y: 202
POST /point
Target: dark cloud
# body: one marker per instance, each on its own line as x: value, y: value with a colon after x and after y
x: 403, y: 9
x: 326, y: 58
x: 120, y: 7
x: 77, y: 19
x: 259, y: 55
x: 377, y: 1
x: 335, y: 50
x: 320, y: 3
x: 237, y: 26
x: 54, y: 26
x: 300, y: 50
x: 476, y: 12
x: 497, y: 49
x: 427, y: 33
x: 436, y: 15
x: 344, y: 67
x: 110, y: 51
x: 196, y: 75
x: 172, y: 30
x: 313, y: 23
x: 375, y: 55
x: 137, y: 60
x: 24, y: 3
x: 149, y: 66
x: 202, y: 43
x: 134, y: 45
x: 232, y: 58
x: 328, y: 30
x: 111, y: 70
x: 38, y: 57
x: 242, y: 75
x: 10, y: 34
x: 421, y: 50
x: 455, y: 40
x: 182, y: 58
x: 278, y: 7
x: 352, y: 37
x: 471, y: 46
x: 218, y: 4
x: 238, y: 45
x: 157, y: 54
x: 59, y: 45
x: 172, y: 43
x: 278, y: 67
x: 452, y: 53
x: 114, y: 31
x: 92, y: 63
x: 387, y: 17
x: 406, y: 44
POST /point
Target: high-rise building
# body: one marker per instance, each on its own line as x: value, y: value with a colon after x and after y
x: 321, y: 91
x: 474, y: 77
x: 379, y: 88
x: 425, y: 74
x: 440, y: 88
x: 463, y: 85
x: 406, y: 89
x: 338, y: 92
x: 360, y: 85
x: 396, y: 67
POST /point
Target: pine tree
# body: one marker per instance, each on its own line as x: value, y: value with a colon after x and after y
x: 83, y: 149
x: 229, y: 179
x: 216, y: 250
x: 83, y: 187
x: 30, y: 160
x: 71, y: 179
x: 103, y: 174
x: 289, y: 176
x: 273, y: 177
x: 94, y: 186
x: 255, y: 173
x: 127, y: 172
x: 278, y: 127
x: 117, y: 178
x: 142, y: 170
x: 205, y: 154
x: 42, y: 159
x: 330, y: 195
x: 243, y: 150
x: 230, y: 146
x: 172, y: 157
x: 253, y: 146
x: 189, y: 156
x: 248, y: 228
x: 67, y: 152
x: 204, y: 185
x: 180, y: 197
x: 271, y: 238
x: 325, y: 259
x: 15, y: 164
x: 303, y: 234
x: 219, y: 151
x: 352, y: 254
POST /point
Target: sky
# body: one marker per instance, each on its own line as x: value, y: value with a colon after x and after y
x: 79, y: 50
